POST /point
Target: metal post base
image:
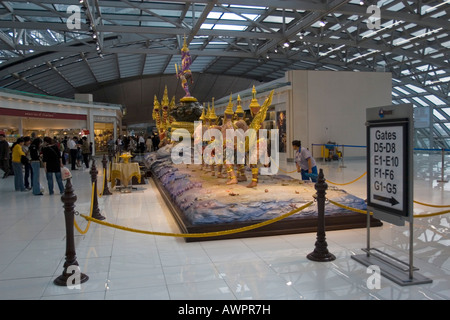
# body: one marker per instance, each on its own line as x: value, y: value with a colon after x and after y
x: 67, y: 279
x: 394, y: 273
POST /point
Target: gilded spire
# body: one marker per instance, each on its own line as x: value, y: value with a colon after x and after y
x: 165, y: 100
x: 239, y: 107
x: 212, y: 112
x: 229, y: 109
x: 202, y: 117
x: 185, y: 47
x: 254, y: 105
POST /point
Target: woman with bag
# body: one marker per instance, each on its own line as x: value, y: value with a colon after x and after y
x: 17, y: 156
x: 52, y: 164
x: 35, y: 148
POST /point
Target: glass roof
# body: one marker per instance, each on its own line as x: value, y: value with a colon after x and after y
x: 55, y: 47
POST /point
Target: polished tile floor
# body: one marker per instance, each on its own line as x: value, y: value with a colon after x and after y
x: 126, y: 265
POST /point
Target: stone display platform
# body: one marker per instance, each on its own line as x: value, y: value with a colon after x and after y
x: 202, y: 203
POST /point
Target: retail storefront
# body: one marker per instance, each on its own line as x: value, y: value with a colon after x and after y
x: 25, y: 114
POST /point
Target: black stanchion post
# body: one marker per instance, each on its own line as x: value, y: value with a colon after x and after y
x: 71, y: 275
x: 320, y: 252
x: 106, y: 191
x: 95, y: 210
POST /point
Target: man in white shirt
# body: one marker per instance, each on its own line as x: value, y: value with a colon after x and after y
x: 73, y: 149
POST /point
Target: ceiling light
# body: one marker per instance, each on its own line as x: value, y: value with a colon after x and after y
x: 322, y: 23
x: 286, y: 44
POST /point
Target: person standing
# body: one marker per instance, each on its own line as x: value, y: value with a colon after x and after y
x: 85, y: 151
x: 305, y: 162
x: 73, y: 151
x: 4, y: 154
x: 35, y: 149
x: 149, y: 144
x: 17, y: 154
x: 27, y: 165
x: 52, y: 164
x: 141, y: 144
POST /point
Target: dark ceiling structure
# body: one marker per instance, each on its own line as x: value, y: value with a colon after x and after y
x: 63, y: 47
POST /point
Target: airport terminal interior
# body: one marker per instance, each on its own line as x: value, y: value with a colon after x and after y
x: 339, y: 113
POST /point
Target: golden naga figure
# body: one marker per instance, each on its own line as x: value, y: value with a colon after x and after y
x: 161, y: 114
x: 258, y: 151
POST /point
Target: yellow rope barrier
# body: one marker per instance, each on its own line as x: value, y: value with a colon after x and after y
x: 343, y: 184
x: 205, y: 234
x: 432, y: 205
x: 90, y: 214
x: 364, y: 211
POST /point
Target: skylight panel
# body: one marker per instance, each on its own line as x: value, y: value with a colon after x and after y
x: 401, y: 90
x: 446, y: 111
x: 278, y: 19
x: 438, y: 115
x: 415, y: 88
x: 247, y: 7
x: 229, y: 27
x: 435, y: 100
x: 208, y: 26
x: 251, y: 16
x: 231, y: 16
x: 214, y: 15
x: 420, y: 101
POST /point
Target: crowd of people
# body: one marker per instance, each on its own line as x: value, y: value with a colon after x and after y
x: 28, y: 154
x: 133, y: 144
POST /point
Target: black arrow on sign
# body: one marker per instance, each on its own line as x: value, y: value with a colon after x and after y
x: 391, y: 200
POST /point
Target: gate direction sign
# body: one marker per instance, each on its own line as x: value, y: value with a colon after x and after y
x: 389, y: 162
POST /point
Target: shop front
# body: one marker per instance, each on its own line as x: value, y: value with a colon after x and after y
x: 25, y: 114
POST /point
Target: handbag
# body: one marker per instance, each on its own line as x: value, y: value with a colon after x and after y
x: 65, y: 173
x: 24, y: 160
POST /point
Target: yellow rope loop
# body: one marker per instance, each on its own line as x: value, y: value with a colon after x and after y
x: 205, y: 234
x: 432, y: 205
x: 348, y: 208
x: 426, y: 215
x: 343, y: 184
x: 90, y: 214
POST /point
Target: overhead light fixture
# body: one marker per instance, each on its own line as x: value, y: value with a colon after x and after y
x: 361, y: 3
x: 286, y: 44
x: 322, y: 23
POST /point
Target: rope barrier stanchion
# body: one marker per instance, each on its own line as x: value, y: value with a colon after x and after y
x: 105, y: 190
x: 95, y: 211
x: 321, y: 253
x: 71, y: 276
x: 205, y: 234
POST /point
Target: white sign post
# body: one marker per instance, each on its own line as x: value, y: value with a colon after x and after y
x: 390, y: 185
